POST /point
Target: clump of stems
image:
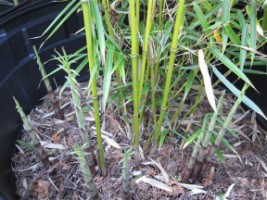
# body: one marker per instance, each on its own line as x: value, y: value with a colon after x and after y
x: 48, y: 87
x: 92, y: 65
x: 28, y: 127
x: 222, y: 131
x: 87, y: 175
x: 200, y: 151
x: 202, y: 154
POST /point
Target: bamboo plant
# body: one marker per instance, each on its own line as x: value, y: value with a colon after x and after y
x: 126, y: 174
x: 223, y: 35
x: 201, y: 146
x: 88, y: 178
x: 222, y: 132
x: 92, y: 65
x: 48, y: 86
x: 28, y: 127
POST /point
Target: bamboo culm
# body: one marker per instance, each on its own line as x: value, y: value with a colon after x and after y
x: 28, y: 127
x: 48, y: 87
x: 89, y: 43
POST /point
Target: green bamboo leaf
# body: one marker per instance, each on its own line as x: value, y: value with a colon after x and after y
x: 241, y: 18
x: 243, y: 52
x: 59, y: 22
x: 189, y: 83
x: 207, y: 80
x: 230, y: 147
x: 252, y: 10
x: 237, y: 93
x: 57, y: 19
x: 193, y: 137
x: 220, y: 156
x: 226, y: 8
x: 162, y: 138
x: 108, y: 74
x: 230, y: 65
x: 231, y: 34
x: 201, y: 18
x: 100, y: 29
x: 253, y: 71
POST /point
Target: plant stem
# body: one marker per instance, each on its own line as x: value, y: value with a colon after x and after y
x: 177, y: 27
x: 88, y: 32
x: 48, y: 87
x: 161, y: 8
x: 88, y: 178
x: 137, y: 7
x: 222, y: 131
x: 107, y: 17
x: 149, y: 20
x: 28, y: 127
x: 126, y: 175
x: 206, y: 140
x: 134, y: 55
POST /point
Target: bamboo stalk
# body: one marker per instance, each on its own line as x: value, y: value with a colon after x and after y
x: 149, y: 20
x: 107, y: 17
x: 48, y: 87
x: 87, y: 175
x: 126, y: 175
x: 88, y: 32
x: 134, y: 55
x: 206, y: 140
x: 28, y: 127
x: 177, y: 27
x: 161, y: 8
x: 186, y: 174
x: 222, y: 131
x: 78, y: 109
x: 111, y: 34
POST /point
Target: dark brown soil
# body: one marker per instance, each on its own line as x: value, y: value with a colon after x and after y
x: 243, y: 176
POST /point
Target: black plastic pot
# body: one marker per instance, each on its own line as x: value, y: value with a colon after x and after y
x: 19, y: 74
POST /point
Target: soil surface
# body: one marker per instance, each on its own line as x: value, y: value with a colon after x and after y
x: 240, y: 176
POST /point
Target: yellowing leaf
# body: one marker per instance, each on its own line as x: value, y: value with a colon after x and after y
x: 207, y: 80
x: 217, y: 36
x: 154, y: 183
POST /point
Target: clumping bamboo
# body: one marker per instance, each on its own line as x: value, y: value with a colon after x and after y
x: 222, y: 131
x: 87, y: 175
x: 28, y: 127
x: 48, y: 87
x: 201, y: 146
x: 91, y: 59
x: 206, y: 139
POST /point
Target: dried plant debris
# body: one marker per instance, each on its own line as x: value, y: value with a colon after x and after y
x: 242, y: 176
